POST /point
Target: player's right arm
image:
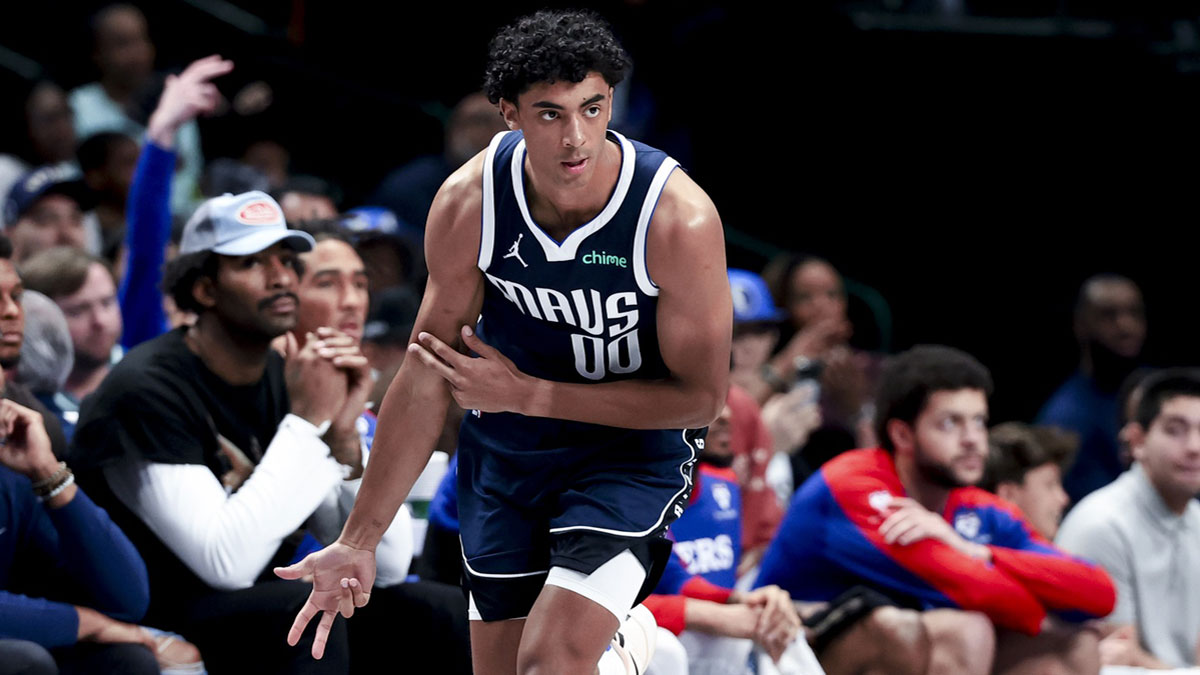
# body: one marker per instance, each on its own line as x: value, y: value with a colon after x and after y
x: 412, y: 412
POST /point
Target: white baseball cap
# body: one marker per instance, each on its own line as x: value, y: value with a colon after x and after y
x: 240, y: 225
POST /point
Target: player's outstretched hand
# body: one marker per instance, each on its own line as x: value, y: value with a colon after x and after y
x: 489, y: 383
x: 342, y: 577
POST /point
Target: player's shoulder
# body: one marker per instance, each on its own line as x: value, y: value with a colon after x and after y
x: 863, y: 462
x: 867, y: 472
x: 684, y: 210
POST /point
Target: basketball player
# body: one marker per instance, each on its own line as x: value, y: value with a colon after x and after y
x: 593, y: 295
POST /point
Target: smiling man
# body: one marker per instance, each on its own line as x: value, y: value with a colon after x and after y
x: 591, y: 384
x: 904, y: 526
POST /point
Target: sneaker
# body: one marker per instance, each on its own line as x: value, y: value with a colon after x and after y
x: 634, y: 641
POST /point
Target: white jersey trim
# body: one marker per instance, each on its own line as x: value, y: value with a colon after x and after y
x: 687, y: 483
x: 554, y: 251
x: 487, y: 234
x: 640, y: 272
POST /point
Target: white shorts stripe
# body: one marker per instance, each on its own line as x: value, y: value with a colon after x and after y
x: 687, y: 483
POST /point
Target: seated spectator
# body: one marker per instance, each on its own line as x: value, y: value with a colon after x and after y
x: 816, y: 343
x: 124, y: 56
x: 779, y: 429
x: 1110, y: 326
x: 905, y: 523
x: 307, y: 198
x: 165, y: 439
x: 1025, y: 466
x: 49, y: 138
x: 47, y: 356
x: 45, y: 208
x: 12, y: 337
x: 393, y: 251
x: 70, y: 582
x: 388, y: 329
x: 84, y: 288
x: 408, y: 190
x: 1144, y: 529
x: 108, y: 160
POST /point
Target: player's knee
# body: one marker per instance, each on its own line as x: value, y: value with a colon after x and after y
x: 546, y: 657
x: 960, y: 642
x: 1081, y: 653
x: 898, y: 634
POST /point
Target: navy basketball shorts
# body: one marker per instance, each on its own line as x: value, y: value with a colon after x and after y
x: 522, y: 512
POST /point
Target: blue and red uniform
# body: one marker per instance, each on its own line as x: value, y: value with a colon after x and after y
x: 708, y: 536
x: 829, y: 541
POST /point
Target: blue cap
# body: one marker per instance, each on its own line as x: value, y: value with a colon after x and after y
x: 371, y: 219
x: 752, y: 301
x: 47, y: 180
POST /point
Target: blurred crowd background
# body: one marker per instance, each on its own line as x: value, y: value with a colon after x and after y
x: 973, y: 162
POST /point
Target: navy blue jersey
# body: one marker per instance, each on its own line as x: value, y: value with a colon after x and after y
x: 581, y: 310
x: 535, y: 493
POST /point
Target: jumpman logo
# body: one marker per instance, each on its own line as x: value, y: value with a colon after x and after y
x: 514, y: 250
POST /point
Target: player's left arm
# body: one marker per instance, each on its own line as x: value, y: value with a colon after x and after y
x: 685, y: 255
x: 1072, y: 586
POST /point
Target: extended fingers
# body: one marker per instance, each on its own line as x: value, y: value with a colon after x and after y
x: 322, y: 636
x: 306, y: 613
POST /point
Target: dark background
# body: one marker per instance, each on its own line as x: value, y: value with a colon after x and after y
x: 972, y: 165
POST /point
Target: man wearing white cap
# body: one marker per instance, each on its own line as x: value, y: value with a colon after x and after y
x: 206, y: 446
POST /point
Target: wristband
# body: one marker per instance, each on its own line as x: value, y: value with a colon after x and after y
x: 53, y: 479
x: 67, y: 482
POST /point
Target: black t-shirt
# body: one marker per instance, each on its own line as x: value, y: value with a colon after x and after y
x: 162, y: 404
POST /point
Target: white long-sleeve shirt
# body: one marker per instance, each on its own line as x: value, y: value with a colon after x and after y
x: 227, y: 540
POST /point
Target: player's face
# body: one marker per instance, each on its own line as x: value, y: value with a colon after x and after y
x: 564, y: 125
x: 333, y: 291
x: 1040, y: 496
x: 55, y: 220
x: 1169, y: 450
x: 1115, y: 317
x: 255, y: 295
x: 12, y: 315
x: 93, y: 317
x: 949, y: 438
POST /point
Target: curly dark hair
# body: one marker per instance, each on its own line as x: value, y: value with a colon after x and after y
x: 180, y: 275
x: 552, y: 46
x: 910, y: 378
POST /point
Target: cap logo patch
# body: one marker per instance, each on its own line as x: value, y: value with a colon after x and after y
x: 258, y: 213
